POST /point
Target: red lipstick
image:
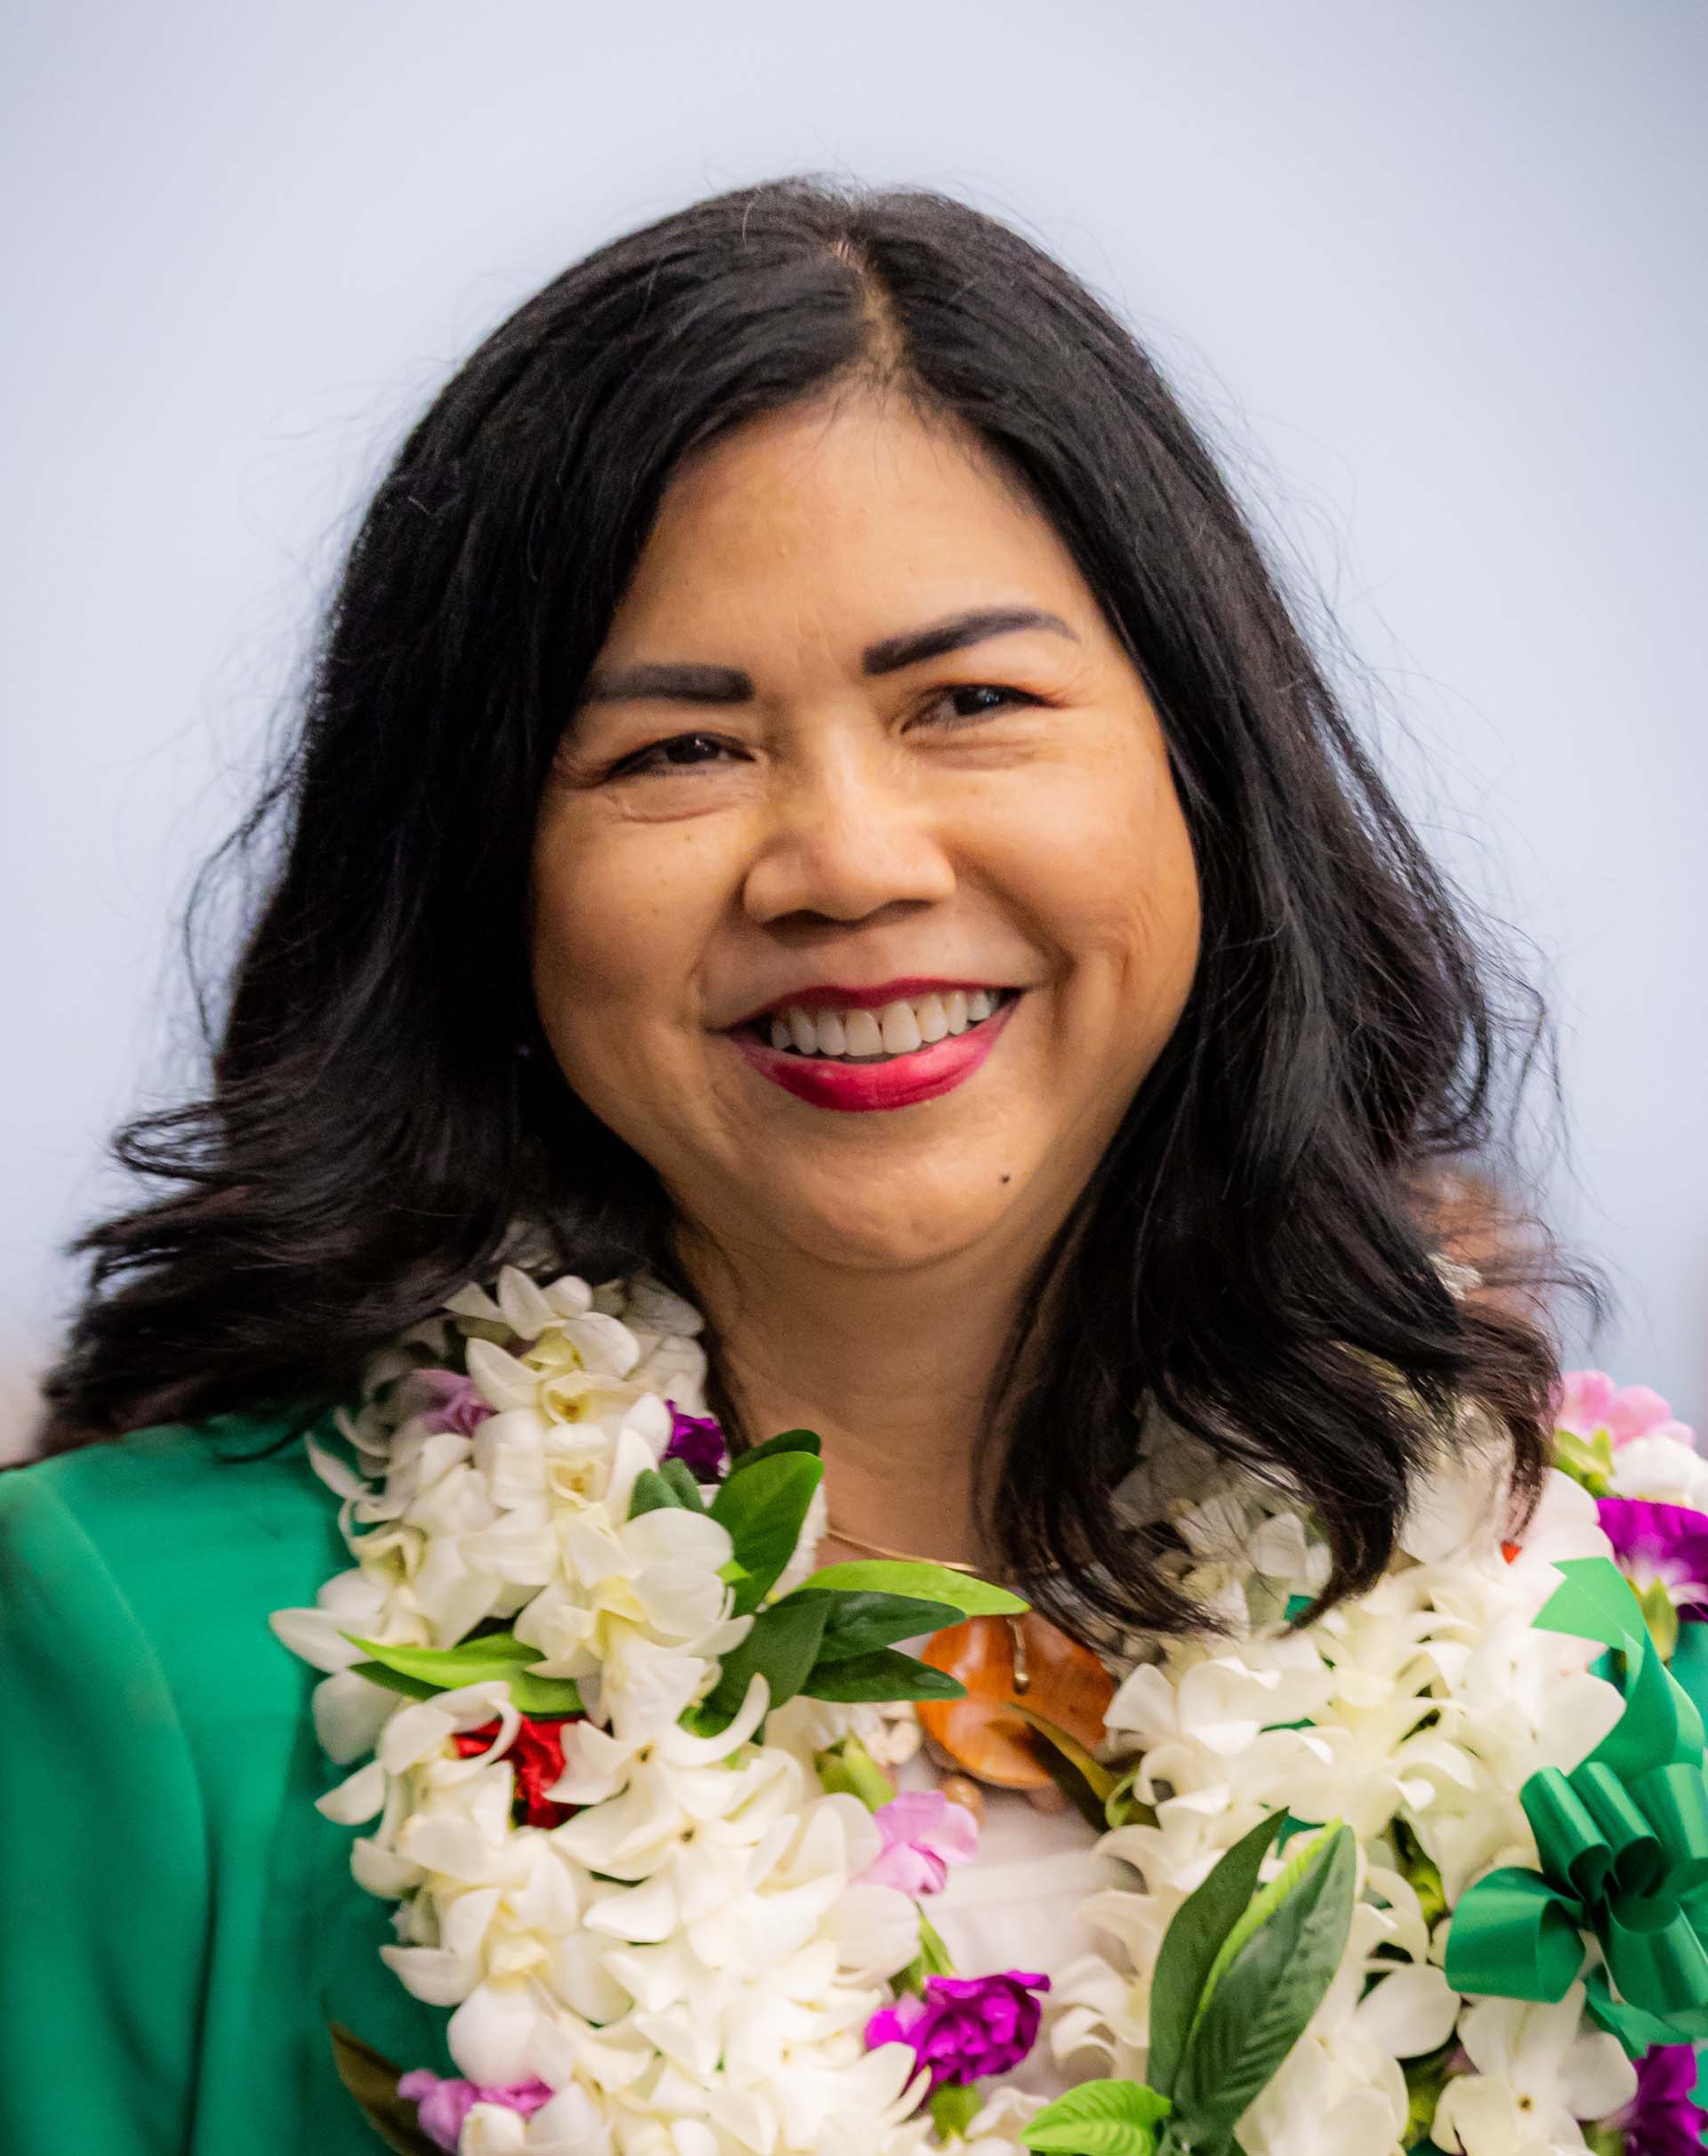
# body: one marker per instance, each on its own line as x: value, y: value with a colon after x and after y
x: 824, y: 1082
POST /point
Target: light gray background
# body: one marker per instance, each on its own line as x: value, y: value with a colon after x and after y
x: 1431, y: 272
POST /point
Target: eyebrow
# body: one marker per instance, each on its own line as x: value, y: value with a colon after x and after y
x: 688, y: 684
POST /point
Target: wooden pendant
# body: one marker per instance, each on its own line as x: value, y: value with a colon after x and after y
x: 1001, y: 1660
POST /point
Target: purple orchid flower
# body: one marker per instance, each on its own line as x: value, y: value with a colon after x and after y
x: 923, y: 1834
x: 453, y: 1402
x: 964, y: 2027
x: 697, y: 1442
x: 1664, y: 1542
x: 1661, y: 2120
x: 442, y: 2106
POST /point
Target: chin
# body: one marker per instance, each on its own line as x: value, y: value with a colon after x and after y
x: 863, y: 1223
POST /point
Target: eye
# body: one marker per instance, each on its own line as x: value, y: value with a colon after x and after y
x: 681, y: 752
x: 1011, y: 698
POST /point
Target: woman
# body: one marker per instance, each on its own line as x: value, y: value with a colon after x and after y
x: 808, y: 796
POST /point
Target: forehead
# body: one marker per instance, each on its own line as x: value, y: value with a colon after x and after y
x: 841, y: 518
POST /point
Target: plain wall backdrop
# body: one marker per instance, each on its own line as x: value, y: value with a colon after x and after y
x: 1430, y: 272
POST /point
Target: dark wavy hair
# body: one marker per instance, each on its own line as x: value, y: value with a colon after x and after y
x: 1254, y: 1256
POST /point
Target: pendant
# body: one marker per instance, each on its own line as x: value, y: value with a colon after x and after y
x: 1003, y: 1662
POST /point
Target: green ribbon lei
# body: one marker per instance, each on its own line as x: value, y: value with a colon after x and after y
x: 1622, y: 1847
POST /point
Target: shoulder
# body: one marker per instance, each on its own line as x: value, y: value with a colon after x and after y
x: 186, y: 1535
x: 245, y: 1472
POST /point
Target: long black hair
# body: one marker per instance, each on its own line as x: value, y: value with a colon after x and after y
x: 1254, y: 1256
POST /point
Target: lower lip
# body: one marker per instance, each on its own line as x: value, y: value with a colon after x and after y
x: 856, y: 1088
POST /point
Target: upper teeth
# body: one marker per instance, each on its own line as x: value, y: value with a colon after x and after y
x: 897, y: 1030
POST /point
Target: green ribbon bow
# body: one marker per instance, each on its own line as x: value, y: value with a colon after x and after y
x: 1622, y: 1847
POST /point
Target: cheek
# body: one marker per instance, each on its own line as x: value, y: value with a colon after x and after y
x: 1113, y: 877
x: 611, y: 943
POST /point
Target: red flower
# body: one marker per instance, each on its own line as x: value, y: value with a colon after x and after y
x: 536, y: 1759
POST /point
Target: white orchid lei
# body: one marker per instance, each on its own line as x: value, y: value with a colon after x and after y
x: 621, y: 1757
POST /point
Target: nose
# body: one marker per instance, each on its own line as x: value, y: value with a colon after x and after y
x: 851, y: 830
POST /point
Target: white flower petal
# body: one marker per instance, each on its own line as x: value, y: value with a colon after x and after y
x: 1596, y: 2078
x: 318, y: 1636
x: 1409, y: 2013
x: 491, y: 2034
x: 431, y: 1973
x: 358, y: 1798
x: 503, y: 1381
x: 526, y: 1310
x: 349, y: 1713
x: 876, y: 1930
x: 604, y: 1345
x: 337, y: 1475
x: 643, y: 1914
x: 570, y: 2125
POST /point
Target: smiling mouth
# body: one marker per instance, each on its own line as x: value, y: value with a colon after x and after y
x: 868, y: 1038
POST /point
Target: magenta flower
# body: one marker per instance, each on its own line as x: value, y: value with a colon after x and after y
x: 442, y: 2106
x: 964, y: 2027
x: 453, y: 1402
x: 697, y: 1442
x: 1661, y: 2120
x: 1588, y: 1402
x: 923, y: 1834
x: 1664, y: 1542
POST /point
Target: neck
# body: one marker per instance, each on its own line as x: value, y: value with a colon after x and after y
x: 890, y: 1367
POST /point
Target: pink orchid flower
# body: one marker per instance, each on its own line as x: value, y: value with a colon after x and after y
x: 1588, y: 1402
x: 453, y: 1402
x: 442, y: 2106
x: 923, y: 1834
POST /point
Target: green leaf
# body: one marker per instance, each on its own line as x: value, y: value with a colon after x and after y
x: 786, y: 1441
x: 1122, y: 1807
x: 1100, y: 2118
x: 1661, y: 1615
x: 679, y: 1475
x: 1262, y: 1908
x: 1587, y: 1461
x: 494, y: 1655
x: 1420, y: 1874
x: 883, y: 1675
x: 532, y: 1695
x: 932, y: 1959
x: 1425, y: 2079
x: 1199, y: 1926
x: 1097, y: 1778
x: 1260, y: 2007
x: 373, y: 2081
x: 654, y: 1492
x: 859, y: 1621
x: 394, y: 1679
x: 848, y: 1768
x: 954, y: 2105
x: 780, y: 1645
x: 965, y: 1593
x: 932, y: 1952
x: 763, y: 1508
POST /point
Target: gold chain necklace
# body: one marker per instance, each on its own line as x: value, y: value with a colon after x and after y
x: 880, y: 1549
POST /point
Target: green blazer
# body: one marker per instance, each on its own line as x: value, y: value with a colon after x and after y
x: 178, y: 1923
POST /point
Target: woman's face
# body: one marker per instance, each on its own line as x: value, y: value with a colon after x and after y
x: 859, y: 760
